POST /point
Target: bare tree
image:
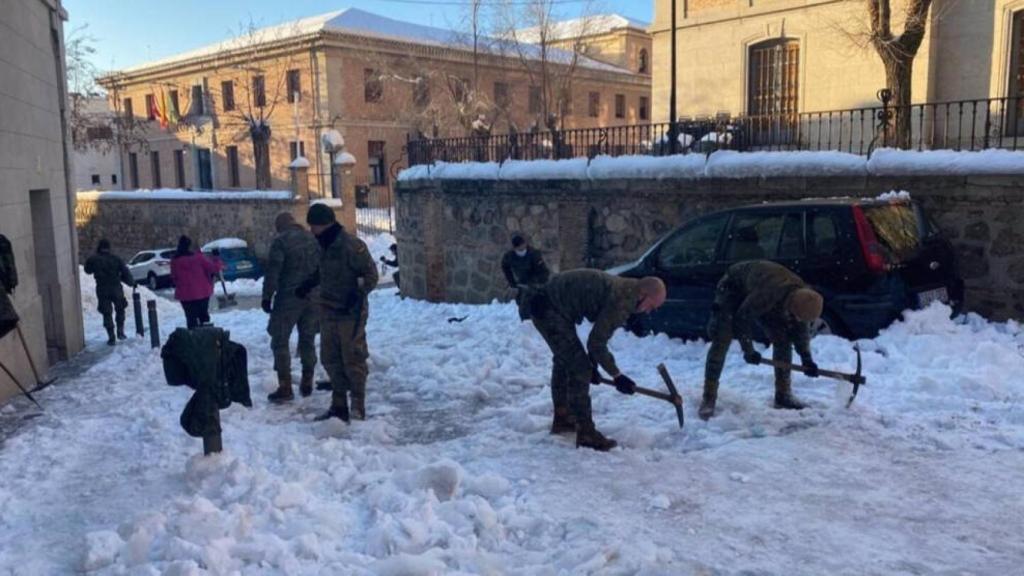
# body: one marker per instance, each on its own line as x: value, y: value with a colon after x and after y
x: 547, y: 51
x: 256, y: 89
x: 897, y: 54
x: 92, y: 125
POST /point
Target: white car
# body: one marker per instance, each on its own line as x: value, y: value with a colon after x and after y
x: 152, y: 267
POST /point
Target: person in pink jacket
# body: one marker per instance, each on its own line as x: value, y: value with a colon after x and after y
x: 192, y: 274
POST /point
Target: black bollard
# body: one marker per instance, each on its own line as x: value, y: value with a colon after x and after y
x: 213, y: 444
x: 140, y: 328
x: 154, y: 328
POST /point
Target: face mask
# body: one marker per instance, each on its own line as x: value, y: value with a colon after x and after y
x: 521, y: 253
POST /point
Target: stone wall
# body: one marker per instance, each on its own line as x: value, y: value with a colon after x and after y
x: 133, y: 225
x: 452, y: 233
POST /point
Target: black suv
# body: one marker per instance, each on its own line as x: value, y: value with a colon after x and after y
x: 870, y: 259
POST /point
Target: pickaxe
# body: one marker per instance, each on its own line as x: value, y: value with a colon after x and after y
x: 19, y: 385
x: 857, y: 379
x: 672, y: 397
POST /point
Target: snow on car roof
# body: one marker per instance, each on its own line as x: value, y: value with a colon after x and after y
x: 225, y: 244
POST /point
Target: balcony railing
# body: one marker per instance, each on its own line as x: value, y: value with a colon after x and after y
x: 960, y: 125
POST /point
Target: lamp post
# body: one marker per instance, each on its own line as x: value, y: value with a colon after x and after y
x: 673, y: 132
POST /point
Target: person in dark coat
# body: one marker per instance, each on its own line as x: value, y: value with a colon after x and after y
x: 192, y: 274
x: 393, y: 262
x: 8, y: 282
x: 524, y: 265
x: 110, y: 272
x: 556, y: 308
x: 346, y: 276
x: 770, y: 294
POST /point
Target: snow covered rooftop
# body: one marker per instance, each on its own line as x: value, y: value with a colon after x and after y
x: 586, y: 26
x: 355, y: 22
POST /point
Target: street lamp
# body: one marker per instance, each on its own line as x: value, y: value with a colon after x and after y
x: 673, y: 135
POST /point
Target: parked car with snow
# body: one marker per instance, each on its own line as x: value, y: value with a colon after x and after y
x: 239, y: 260
x: 152, y: 267
x: 870, y: 259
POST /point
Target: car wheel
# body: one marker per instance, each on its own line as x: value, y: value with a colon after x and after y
x: 152, y: 281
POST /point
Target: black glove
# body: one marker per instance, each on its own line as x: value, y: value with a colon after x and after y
x: 304, y: 289
x: 595, y: 374
x: 624, y: 384
x: 353, y: 300
x: 752, y: 357
x: 265, y: 304
x: 383, y: 258
x: 811, y: 369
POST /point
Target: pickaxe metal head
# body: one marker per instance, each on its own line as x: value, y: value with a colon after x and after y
x: 675, y: 398
x: 856, y: 379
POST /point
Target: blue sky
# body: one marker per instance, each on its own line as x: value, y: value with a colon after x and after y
x: 131, y: 32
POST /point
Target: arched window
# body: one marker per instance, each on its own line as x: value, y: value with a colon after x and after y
x: 773, y: 91
x: 643, y: 61
x: 773, y: 81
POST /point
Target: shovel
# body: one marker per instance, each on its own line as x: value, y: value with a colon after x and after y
x: 857, y: 379
x: 671, y: 397
x: 227, y: 300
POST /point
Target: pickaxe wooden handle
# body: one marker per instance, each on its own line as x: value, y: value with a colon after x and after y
x: 856, y: 379
x: 671, y: 397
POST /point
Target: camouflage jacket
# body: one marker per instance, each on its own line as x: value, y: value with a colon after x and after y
x: 757, y: 290
x: 347, y: 273
x: 109, y: 271
x: 294, y: 257
x: 606, y: 300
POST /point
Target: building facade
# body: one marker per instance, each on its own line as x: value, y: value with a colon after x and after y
x: 376, y: 81
x: 96, y: 157
x: 36, y: 205
x: 756, y: 57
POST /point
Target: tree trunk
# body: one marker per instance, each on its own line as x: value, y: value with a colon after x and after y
x: 260, y: 134
x: 897, y: 80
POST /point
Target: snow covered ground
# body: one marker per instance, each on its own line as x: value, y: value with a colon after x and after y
x: 455, y: 473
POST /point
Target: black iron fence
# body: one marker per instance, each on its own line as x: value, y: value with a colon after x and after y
x: 375, y: 212
x: 960, y: 125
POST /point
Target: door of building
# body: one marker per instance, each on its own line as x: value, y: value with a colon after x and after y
x: 205, y: 169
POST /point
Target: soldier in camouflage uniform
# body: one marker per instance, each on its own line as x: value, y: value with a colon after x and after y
x: 607, y: 301
x: 294, y: 257
x: 768, y: 293
x: 110, y: 271
x: 346, y: 276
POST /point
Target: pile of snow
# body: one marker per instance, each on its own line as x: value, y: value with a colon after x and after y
x: 224, y: 244
x: 178, y: 194
x: 244, y: 287
x: 455, y: 471
x: 299, y: 162
x: 732, y: 164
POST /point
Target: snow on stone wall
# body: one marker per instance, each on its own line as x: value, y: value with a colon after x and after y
x: 732, y: 164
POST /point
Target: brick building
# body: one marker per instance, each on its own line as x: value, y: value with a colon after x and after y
x: 376, y: 80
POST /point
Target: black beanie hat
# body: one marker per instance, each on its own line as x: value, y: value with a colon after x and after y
x: 320, y: 215
x: 103, y: 246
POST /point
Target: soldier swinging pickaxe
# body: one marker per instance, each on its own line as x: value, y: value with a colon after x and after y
x: 672, y: 397
x: 857, y: 379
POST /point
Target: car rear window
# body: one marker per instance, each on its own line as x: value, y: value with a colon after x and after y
x: 898, y: 228
x: 168, y: 254
x: 234, y: 253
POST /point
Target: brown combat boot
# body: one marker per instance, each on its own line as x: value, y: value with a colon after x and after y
x: 306, y: 384
x: 358, y: 407
x: 284, y: 390
x: 587, y: 436
x: 784, y: 398
x: 563, y: 422
x: 339, y: 411
x: 707, y: 403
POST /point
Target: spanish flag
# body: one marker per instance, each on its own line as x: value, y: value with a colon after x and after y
x: 161, y: 109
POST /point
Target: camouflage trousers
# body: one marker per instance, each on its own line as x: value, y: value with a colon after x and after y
x: 720, y: 331
x: 343, y: 352
x: 288, y: 314
x: 111, y: 307
x: 571, y: 367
